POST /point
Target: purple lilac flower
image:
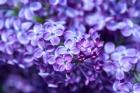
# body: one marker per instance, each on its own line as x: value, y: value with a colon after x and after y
x: 73, y: 35
x: 126, y: 87
x: 119, y: 60
x: 68, y: 48
x: 53, y: 32
x: 63, y: 63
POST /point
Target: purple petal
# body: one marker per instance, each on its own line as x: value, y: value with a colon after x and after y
x: 37, y: 28
x: 23, y: 38
x: 61, y: 50
x: 28, y: 14
x: 120, y: 74
x: 69, y: 44
x: 8, y: 23
x: 17, y: 24
x: 4, y: 36
x: 48, y: 36
x: 59, y: 32
x: 126, y: 32
x: 68, y: 66
x: 51, y: 59
x: 28, y: 58
x: 126, y: 65
x: 69, y: 35
x: 57, y: 67
x: 60, y: 60
x: 68, y: 58
x: 26, y: 25
x: 55, y: 41
x: 35, y: 6
x: 21, y: 13
x: 75, y: 50
x: 131, y: 52
x: 116, y: 56
x: 109, y: 47
x: 9, y: 49
x: 136, y: 88
x: 38, y: 52
x: 109, y: 67
x: 123, y: 87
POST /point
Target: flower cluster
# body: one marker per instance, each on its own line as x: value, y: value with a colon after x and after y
x: 74, y: 42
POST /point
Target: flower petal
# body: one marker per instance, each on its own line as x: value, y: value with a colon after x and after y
x: 119, y: 74
x: 68, y: 58
x: 26, y: 25
x: 35, y: 6
x: 55, y: 41
x: 61, y: 50
x: 136, y: 88
x: 51, y: 59
x: 23, y: 38
x: 28, y: 14
x: 60, y: 60
x: 38, y: 52
x: 109, y: 47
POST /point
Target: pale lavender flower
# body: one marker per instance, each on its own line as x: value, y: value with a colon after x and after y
x: 36, y: 33
x: 126, y: 87
x: 68, y: 48
x: 63, y: 63
x: 53, y: 32
x: 119, y: 60
x: 85, y: 46
x: 73, y: 35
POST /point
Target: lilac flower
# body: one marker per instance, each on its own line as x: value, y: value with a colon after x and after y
x: 36, y: 33
x: 63, y: 63
x: 120, y: 60
x: 68, y: 48
x: 126, y: 87
x: 73, y: 35
x: 53, y: 32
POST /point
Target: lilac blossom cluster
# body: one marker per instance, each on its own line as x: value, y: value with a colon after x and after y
x: 74, y: 42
